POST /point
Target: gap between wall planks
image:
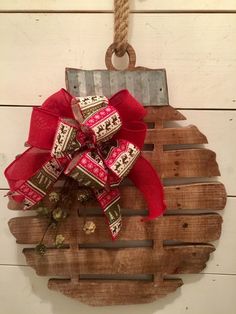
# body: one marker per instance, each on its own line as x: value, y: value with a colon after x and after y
x: 105, y: 5
x: 44, y: 47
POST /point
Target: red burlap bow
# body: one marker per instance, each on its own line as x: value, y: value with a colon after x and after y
x: 95, y: 141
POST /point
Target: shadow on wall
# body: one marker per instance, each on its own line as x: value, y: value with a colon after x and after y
x: 61, y: 304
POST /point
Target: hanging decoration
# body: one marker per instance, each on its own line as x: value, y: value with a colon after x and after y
x: 96, y: 151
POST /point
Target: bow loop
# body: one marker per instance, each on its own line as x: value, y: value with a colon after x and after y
x: 120, y: 157
x: 84, y: 138
x: 67, y: 139
x: 104, y: 123
x: 88, y: 169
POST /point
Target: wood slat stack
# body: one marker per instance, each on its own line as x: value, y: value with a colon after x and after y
x: 137, y: 267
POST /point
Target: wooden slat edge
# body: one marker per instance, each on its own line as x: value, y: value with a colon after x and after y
x: 166, y: 113
x: 173, y: 260
x: 187, y: 228
x: 183, y: 135
x: 98, y: 293
x: 185, y: 163
x: 209, y: 195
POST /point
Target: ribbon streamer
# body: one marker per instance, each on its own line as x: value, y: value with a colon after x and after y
x: 95, y: 141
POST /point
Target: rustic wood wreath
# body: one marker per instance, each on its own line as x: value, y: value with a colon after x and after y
x: 133, y: 269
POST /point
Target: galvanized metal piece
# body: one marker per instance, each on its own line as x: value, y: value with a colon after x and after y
x: 149, y: 87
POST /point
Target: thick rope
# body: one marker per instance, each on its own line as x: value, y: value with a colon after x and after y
x: 121, y: 12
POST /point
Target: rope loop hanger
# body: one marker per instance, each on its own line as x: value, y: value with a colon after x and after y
x: 120, y: 44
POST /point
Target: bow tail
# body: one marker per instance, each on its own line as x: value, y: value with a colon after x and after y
x: 109, y: 202
x: 147, y: 181
x: 88, y: 169
x: 32, y: 175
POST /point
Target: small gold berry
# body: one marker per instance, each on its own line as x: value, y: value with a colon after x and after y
x: 54, y: 197
x: 59, y: 240
x: 89, y: 227
x: 57, y: 214
x: 83, y: 195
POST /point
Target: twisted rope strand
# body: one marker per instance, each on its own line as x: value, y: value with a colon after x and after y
x: 121, y: 26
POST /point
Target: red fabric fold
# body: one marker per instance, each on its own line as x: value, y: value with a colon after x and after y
x: 145, y: 178
x: 44, y: 121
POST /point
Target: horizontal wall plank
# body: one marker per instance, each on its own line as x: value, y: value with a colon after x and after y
x: 32, y: 296
x: 35, y: 49
x: 218, y: 126
x: 150, y: 5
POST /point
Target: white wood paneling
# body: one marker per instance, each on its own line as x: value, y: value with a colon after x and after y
x: 199, y: 54
x: 219, y: 127
x: 21, y: 291
x: 108, y: 5
x: 197, y: 50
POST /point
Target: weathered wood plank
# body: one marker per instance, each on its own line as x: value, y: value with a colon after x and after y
x: 173, y: 260
x: 123, y: 292
x: 186, y: 228
x: 166, y: 136
x: 165, y: 113
x: 185, y: 163
x: 210, y: 196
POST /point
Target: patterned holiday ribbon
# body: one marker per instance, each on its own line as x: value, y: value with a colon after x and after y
x: 95, y: 141
x: 100, y: 166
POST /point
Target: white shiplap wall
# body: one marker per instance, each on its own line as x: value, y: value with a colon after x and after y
x: 195, y: 42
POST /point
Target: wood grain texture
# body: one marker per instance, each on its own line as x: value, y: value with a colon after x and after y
x: 123, y: 292
x: 185, y: 135
x: 173, y: 260
x: 196, y: 196
x: 184, y: 228
x: 185, y: 163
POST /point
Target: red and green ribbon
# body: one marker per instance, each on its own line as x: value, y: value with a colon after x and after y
x: 95, y: 141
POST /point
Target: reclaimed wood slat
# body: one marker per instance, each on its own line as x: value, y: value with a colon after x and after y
x: 165, y: 113
x: 173, y: 260
x: 185, y: 163
x: 184, y: 135
x: 210, y: 195
x: 123, y: 292
x: 186, y: 228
